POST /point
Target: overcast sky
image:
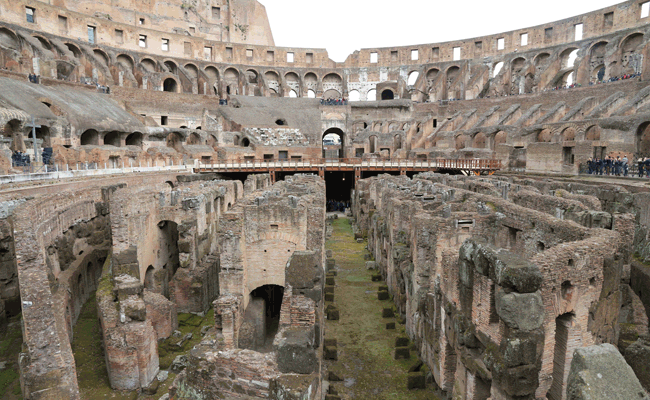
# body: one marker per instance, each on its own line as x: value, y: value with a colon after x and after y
x: 343, y: 26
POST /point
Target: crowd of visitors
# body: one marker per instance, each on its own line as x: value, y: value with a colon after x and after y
x: 616, y: 78
x: 33, y: 78
x: 334, y: 102
x: 617, y: 166
x: 334, y: 206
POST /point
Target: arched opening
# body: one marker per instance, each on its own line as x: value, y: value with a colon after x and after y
x: 569, y: 57
x: 333, y: 143
x: 632, y: 59
x: 171, y: 67
x: 293, y: 94
x: 134, y: 139
x: 148, y: 65
x: 568, y: 135
x: 500, y: 138
x: 461, y: 142
x: 192, y: 70
x: 643, y: 140
x: 497, y: 68
x: 74, y: 50
x: 245, y: 142
x: 90, y: 137
x: 311, y: 94
x: 544, y: 136
x: 101, y: 56
x: 175, y: 141
x: 193, y: 139
x: 112, y: 139
x: 397, y: 142
x: 149, y: 281
x: 212, y: 141
x: 354, y: 95
x: 592, y: 133
x: 42, y: 133
x: 413, y: 78
x: 387, y: 94
x: 170, y: 85
x: 541, y: 58
x: 598, y: 73
x: 125, y: 61
x: 332, y: 94
x: 167, y: 259
x: 451, y: 88
x: 480, y: 141
x: 251, y: 76
x: 373, y: 143
x: 8, y: 39
x: 261, y: 319
x: 372, y: 95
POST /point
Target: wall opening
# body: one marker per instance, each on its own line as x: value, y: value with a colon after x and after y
x: 90, y: 137
x: 170, y: 85
x: 563, y: 354
x: 387, y: 95
x: 261, y: 319
x: 333, y: 144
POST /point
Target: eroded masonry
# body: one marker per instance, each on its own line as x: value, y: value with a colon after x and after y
x: 167, y: 167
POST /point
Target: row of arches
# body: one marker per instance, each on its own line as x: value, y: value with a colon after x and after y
x: 113, y: 138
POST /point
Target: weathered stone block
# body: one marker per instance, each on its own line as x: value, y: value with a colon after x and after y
x: 330, y: 280
x: 330, y: 353
x: 295, y: 351
x: 383, y: 295
x: 600, y: 372
x: 637, y: 356
x: 329, y: 296
x: 371, y: 265
x: 390, y: 325
x: 376, y: 278
x: 520, y: 311
x: 329, y: 289
x: 303, y: 270
x: 387, y: 313
x: 401, y: 341
x: 333, y: 377
x: 402, y: 353
x: 329, y: 342
x: 416, y: 380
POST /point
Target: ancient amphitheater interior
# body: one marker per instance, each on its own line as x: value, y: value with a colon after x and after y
x: 188, y: 211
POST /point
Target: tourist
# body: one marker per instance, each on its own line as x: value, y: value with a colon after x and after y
x: 625, y: 166
x: 590, y: 166
x: 639, y: 165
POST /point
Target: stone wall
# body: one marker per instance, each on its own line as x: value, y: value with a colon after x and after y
x: 497, y: 278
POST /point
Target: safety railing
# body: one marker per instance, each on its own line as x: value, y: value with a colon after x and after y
x: 458, y: 164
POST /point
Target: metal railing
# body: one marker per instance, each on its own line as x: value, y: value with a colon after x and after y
x: 457, y: 164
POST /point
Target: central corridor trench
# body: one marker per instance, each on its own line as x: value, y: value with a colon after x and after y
x: 365, y: 347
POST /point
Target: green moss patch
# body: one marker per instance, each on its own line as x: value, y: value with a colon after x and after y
x: 365, y: 346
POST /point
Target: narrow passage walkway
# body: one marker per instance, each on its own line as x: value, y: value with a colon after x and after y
x: 364, y: 346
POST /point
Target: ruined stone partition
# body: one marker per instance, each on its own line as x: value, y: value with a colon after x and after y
x: 501, y: 280
x: 269, y: 313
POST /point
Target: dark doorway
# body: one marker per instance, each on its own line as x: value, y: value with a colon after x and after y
x: 387, y: 95
x: 261, y: 319
x: 338, y: 185
x: 170, y: 85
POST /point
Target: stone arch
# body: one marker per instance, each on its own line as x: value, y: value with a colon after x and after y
x: 148, y: 65
x: 311, y: 94
x: 74, y: 49
x: 568, y: 57
x: 170, y: 85
x: 44, y: 42
x: 592, y: 133
x: 212, y: 141
x: 261, y: 318
x: 192, y: 70
x: 331, y: 94
x: 194, y: 138
x: 293, y: 94
x: 500, y: 138
x: 387, y: 94
x: 211, y: 72
x: 311, y: 82
x: 432, y: 75
x: 497, y: 68
x: 89, y: 137
x: 338, y: 132
x: 544, y: 136
x: 125, y: 61
x: 101, y: 56
x: 134, y: 139
x: 175, y: 141
x: 460, y: 142
x: 354, y: 95
x: 9, y: 39
x: 371, y: 95
x: 231, y: 77
x: 631, y: 57
x: 480, y: 141
x: 252, y: 76
x: 112, y: 139
x: 568, y: 134
x: 643, y: 139
x: 413, y: 78
x: 42, y: 133
x: 292, y: 78
x: 452, y: 74
x: 541, y: 58
x: 171, y: 66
